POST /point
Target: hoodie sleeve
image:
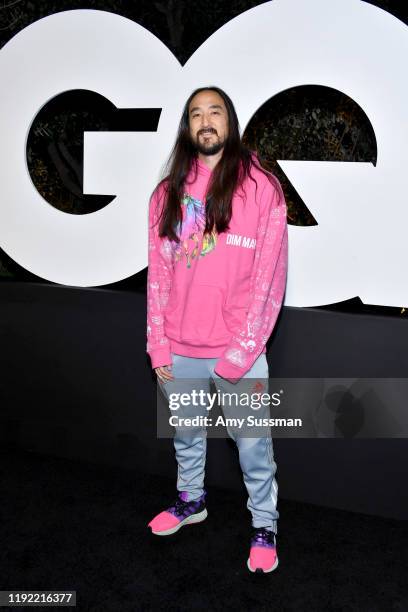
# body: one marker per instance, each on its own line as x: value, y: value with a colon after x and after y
x: 159, y: 278
x: 267, y: 287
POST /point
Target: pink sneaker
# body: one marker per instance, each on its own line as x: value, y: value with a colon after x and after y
x: 181, y: 513
x: 262, y: 555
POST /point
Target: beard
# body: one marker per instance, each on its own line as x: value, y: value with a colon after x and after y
x: 209, y: 148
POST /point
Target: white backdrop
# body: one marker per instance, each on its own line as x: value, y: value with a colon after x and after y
x: 358, y: 247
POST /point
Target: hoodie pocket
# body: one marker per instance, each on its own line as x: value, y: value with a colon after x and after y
x: 203, y: 322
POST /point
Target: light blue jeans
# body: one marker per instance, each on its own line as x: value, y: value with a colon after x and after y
x: 255, y: 454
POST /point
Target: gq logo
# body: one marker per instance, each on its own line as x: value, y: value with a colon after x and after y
x: 361, y: 210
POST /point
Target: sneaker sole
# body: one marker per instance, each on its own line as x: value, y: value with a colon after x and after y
x: 259, y: 570
x: 189, y: 520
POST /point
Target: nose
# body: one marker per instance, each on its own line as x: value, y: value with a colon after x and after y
x: 206, y: 126
x: 206, y: 122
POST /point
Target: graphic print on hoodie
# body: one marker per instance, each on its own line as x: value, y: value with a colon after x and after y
x: 190, y: 230
x: 217, y: 296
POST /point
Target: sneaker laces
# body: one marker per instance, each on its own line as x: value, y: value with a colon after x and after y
x: 262, y: 535
x: 180, y: 506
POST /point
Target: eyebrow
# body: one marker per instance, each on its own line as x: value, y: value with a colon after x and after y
x: 212, y: 106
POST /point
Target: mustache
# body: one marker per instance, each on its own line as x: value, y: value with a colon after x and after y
x: 206, y: 132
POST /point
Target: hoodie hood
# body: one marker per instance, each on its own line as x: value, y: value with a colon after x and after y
x: 205, y: 170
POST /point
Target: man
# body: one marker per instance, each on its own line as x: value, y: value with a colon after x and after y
x: 218, y: 247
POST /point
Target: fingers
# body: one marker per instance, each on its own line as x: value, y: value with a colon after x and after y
x: 164, y: 373
x: 164, y: 377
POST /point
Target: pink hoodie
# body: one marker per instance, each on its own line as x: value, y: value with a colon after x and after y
x: 219, y: 297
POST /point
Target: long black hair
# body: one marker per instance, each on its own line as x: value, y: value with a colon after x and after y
x: 227, y: 176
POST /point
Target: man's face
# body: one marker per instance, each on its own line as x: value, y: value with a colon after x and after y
x: 208, y: 121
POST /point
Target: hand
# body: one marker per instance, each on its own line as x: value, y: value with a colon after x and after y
x: 164, y: 372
